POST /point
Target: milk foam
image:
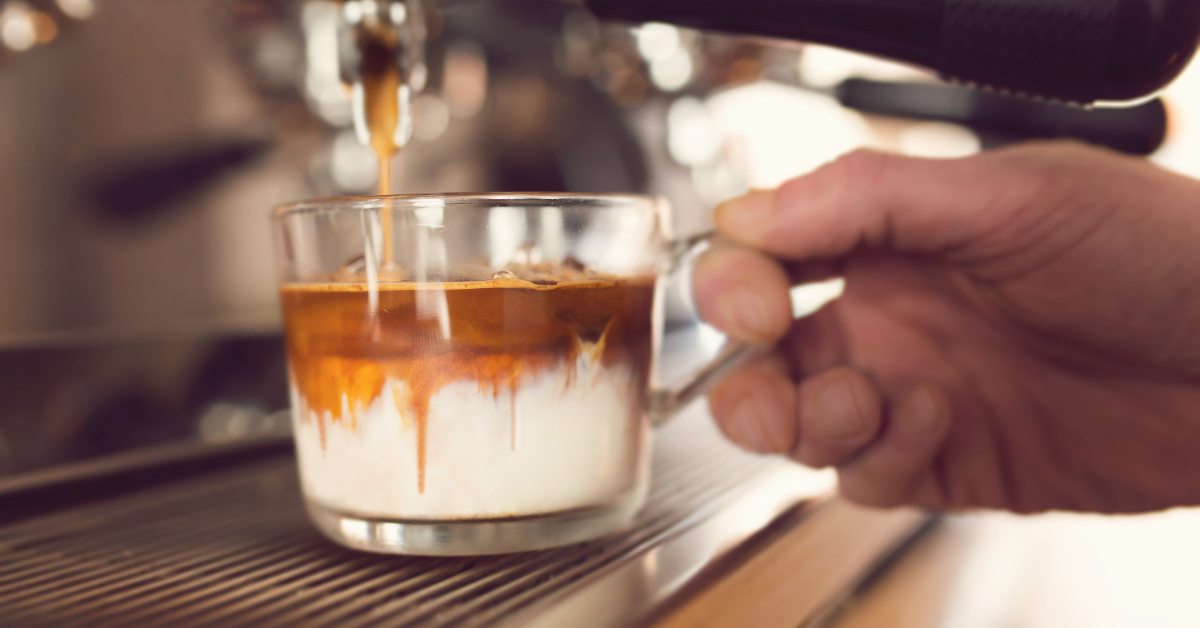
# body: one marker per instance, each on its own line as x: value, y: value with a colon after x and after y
x: 580, y: 441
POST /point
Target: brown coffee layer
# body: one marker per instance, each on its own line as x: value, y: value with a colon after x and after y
x: 495, y: 333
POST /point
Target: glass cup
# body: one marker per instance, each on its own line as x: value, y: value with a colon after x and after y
x: 479, y: 374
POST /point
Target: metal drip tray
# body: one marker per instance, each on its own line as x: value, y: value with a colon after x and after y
x: 234, y: 548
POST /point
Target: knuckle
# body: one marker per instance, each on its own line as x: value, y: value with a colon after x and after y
x: 860, y: 168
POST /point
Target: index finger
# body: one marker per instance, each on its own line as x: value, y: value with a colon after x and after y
x: 881, y: 200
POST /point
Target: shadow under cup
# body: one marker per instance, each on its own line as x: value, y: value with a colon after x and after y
x: 471, y: 374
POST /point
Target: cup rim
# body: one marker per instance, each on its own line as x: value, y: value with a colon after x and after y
x: 421, y: 201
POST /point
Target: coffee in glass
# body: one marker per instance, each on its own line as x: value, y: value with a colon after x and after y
x: 486, y: 386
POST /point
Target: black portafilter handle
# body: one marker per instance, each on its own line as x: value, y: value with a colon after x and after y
x: 1073, y: 50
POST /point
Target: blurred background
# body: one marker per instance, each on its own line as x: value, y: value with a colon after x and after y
x: 143, y: 143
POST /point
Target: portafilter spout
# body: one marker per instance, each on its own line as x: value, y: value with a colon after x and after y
x: 381, y: 56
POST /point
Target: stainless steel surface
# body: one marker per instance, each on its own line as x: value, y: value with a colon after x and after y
x: 630, y: 590
x: 235, y: 549
x: 129, y: 461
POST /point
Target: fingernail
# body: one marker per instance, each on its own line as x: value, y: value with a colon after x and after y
x: 748, y: 424
x: 751, y: 209
x: 746, y: 310
x: 838, y: 411
x: 923, y: 411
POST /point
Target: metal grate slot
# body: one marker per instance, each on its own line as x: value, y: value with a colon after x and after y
x: 235, y: 549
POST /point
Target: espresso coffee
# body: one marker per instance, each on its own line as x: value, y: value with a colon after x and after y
x: 477, y: 399
x: 384, y: 104
x: 381, y: 81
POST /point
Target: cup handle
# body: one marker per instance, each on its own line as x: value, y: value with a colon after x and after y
x: 668, y: 400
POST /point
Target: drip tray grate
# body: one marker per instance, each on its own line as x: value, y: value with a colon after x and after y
x: 235, y: 548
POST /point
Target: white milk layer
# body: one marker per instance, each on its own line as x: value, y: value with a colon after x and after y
x: 579, y: 441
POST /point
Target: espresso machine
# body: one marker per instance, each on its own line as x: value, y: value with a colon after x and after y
x: 145, y: 468
x: 135, y: 184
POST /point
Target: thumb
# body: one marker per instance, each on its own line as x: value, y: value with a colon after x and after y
x: 867, y: 198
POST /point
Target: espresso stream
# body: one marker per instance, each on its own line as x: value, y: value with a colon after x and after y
x: 500, y: 333
x: 381, y: 97
x: 382, y: 110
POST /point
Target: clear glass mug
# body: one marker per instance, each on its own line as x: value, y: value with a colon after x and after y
x: 478, y: 374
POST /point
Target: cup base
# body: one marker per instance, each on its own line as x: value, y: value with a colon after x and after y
x: 470, y: 537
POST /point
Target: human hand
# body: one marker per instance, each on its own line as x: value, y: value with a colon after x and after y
x: 1020, y: 329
